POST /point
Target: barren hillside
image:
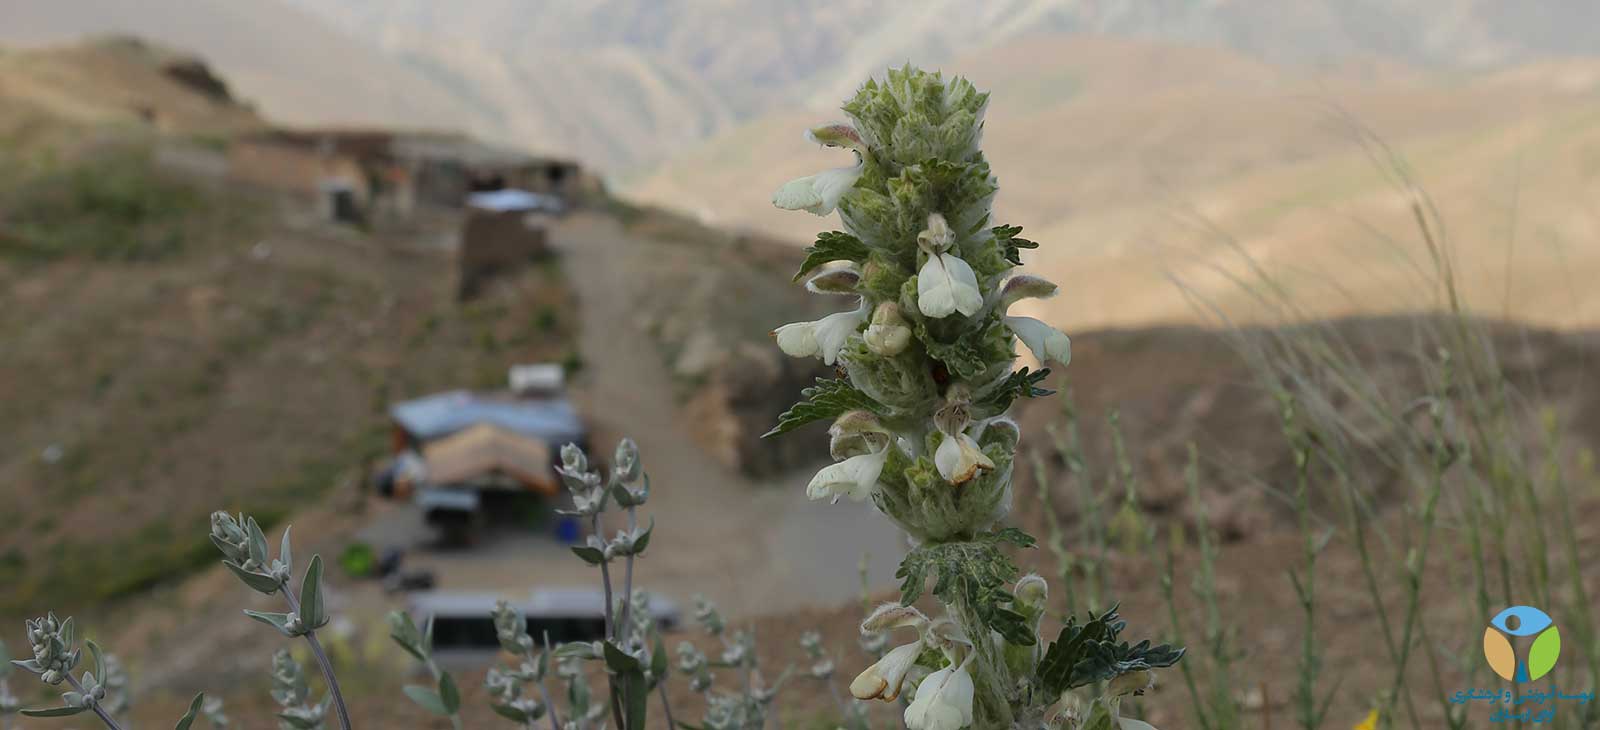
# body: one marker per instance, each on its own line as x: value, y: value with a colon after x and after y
x: 1132, y: 162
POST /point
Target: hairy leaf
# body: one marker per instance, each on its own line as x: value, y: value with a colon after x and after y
x: 313, y: 610
x: 279, y: 621
x: 1020, y: 384
x: 976, y: 572
x: 54, y: 712
x: 1089, y: 653
x: 827, y: 399
x: 1006, y: 236
x: 832, y: 246
x: 449, y: 695
x: 427, y: 699
x: 194, y: 709
x: 256, y: 581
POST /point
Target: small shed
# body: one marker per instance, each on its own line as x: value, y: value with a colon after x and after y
x: 495, y: 243
x: 487, y: 453
x: 419, y: 421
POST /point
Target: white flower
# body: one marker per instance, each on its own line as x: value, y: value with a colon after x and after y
x: 943, y: 701
x: 819, y: 193
x: 946, y: 284
x: 854, y: 477
x: 959, y: 459
x: 888, y: 334
x: 1046, y: 342
x: 883, y: 679
x: 823, y: 338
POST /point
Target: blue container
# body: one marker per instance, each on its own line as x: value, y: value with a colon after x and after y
x: 568, y: 529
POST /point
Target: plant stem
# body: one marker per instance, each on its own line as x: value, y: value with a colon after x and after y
x: 991, y: 705
x: 104, y: 716
x: 322, y: 661
x: 666, y: 707
x: 611, y: 631
x: 544, y: 691
x: 627, y: 579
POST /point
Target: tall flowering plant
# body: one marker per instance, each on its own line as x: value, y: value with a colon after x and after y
x: 926, y: 377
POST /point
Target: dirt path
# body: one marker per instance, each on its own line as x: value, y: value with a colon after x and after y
x: 753, y: 547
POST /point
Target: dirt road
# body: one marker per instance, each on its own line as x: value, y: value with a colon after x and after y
x: 753, y: 547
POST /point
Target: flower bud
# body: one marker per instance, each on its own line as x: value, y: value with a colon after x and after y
x: 888, y: 334
x: 1025, y: 286
x: 937, y: 237
x: 573, y: 458
x: 1031, y: 590
x: 893, y: 616
x: 840, y: 280
x: 837, y: 135
x: 856, y: 433
x: 626, y: 461
x: 1134, y: 683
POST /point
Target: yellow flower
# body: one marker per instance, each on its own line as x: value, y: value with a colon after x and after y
x: 1371, y: 723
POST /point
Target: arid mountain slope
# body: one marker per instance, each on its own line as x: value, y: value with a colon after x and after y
x: 1125, y: 159
x: 289, y: 62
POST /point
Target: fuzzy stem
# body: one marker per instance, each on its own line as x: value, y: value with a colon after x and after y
x: 666, y: 707
x: 991, y: 708
x: 544, y: 691
x: 627, y: 580
x: 611, y: 632
x: 322, y: 661
x: 104, y: 716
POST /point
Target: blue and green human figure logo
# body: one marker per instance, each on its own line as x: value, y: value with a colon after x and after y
x: 1512, y: 628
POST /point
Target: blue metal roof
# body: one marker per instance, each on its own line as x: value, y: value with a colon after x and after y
x: 442, y: 414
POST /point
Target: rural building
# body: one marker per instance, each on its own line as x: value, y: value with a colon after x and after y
x: 388, y: 174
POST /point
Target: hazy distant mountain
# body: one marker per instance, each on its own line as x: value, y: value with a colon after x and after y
x: 626, y: 82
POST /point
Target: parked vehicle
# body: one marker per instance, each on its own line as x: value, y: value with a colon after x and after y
x: 462, y: 622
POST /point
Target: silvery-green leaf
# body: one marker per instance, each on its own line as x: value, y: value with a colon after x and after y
x: 31, y: 665
x: 73, y: 699
x: 188, y: 717
x: 427, y: 699
x: 99, y: 662
x: 590, y: 555
x: 260, y: 582
x: 427, y: 636
x: 67, y: 632
x: 299, y: 721
x: 285, y: 555
x: 644, y: 540
x: 279, y: 621
x: 404, y: 632
x: 658, y: 659
x: 577, y: 650
x: 54, y: 712
x: 510, y: 713
x: 227, y: 550
x: 449, y: 695
x: 619, y: 661
x: 312, y: 609
x: 258, y: 542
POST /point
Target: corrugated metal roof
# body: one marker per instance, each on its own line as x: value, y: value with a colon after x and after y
x: 553, y: 420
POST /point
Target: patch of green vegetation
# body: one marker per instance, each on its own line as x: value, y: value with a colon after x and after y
x: 113, y: 205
